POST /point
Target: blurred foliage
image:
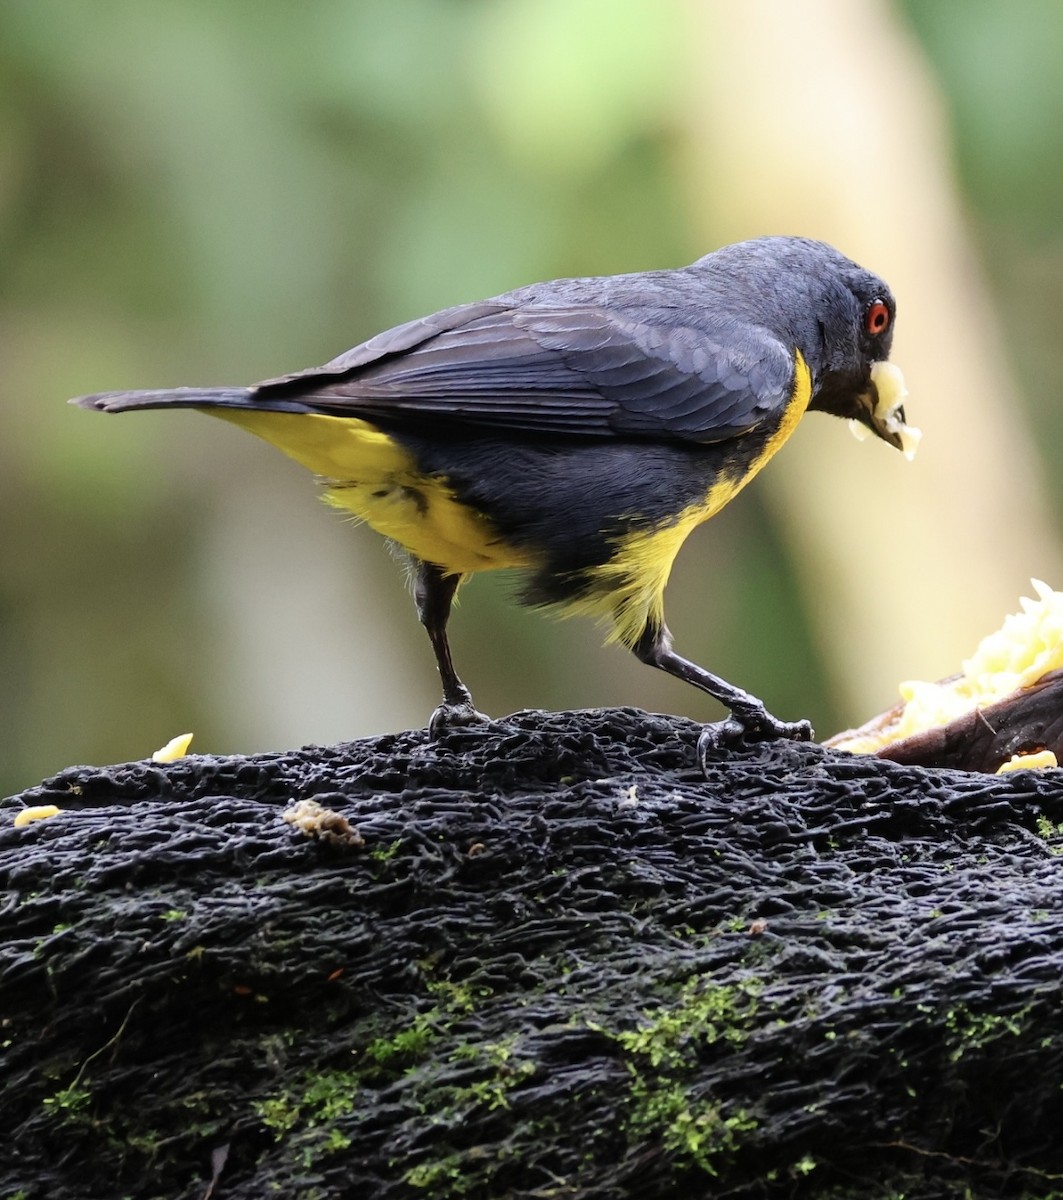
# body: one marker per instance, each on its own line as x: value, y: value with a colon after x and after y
x: 194, y: 191
x: 999, y: 66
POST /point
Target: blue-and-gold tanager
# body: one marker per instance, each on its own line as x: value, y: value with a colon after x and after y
x: 579, y: 430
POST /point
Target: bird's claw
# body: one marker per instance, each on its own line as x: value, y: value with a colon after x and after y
x: 749, y: 725
x: 454, y: 716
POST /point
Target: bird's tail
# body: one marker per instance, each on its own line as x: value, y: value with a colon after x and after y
x: 187, y: 397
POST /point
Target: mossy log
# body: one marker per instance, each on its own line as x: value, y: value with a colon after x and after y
x: 548, y: 957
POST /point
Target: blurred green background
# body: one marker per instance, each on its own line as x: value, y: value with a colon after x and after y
x: 216, y: 191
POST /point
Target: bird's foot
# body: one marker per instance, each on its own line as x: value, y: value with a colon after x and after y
x: 752, y: 724
x: 454, y: 716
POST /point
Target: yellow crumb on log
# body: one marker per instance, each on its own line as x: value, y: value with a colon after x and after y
x: 1021, y: 652
x: 316, y: 821
x: 174, y: 749
x: 39, y: 812
x: 1028, y: 762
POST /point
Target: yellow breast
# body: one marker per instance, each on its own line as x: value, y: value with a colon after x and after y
x: 629, y: 588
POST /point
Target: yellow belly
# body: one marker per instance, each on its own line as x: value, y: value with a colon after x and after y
x: 370, y: 475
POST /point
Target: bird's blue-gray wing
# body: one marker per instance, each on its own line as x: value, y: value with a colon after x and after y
x: 546, y: 370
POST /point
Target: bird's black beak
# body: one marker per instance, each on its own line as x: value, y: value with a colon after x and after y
x: 880, y: 409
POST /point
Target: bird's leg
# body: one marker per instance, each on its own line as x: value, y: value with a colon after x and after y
x: 433, y: 593
x: 749, y: 718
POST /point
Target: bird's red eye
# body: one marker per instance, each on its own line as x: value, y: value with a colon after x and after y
x: 877, y: 319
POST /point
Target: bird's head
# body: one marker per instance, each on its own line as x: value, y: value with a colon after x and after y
x: 847, y: 334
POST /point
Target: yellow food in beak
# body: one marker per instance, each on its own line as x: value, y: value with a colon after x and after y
x: 887, y: 416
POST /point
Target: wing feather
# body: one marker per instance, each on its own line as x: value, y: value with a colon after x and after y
x: 554, y: 369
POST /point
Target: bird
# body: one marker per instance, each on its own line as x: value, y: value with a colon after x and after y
x: 578, y: 430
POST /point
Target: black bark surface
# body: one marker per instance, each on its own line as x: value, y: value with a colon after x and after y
x: 546, y: 957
